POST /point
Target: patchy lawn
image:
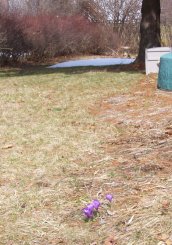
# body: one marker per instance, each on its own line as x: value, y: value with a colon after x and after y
x: 73, y: 135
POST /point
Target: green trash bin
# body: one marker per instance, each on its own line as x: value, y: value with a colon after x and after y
x: 165, y: 72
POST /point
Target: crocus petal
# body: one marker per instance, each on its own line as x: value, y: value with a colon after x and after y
x: 96, y: 204
x: 90, y: 206
x: 88, y: 213
x: 109, y: 197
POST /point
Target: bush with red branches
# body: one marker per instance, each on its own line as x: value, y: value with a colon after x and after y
x: 45, y: 36
x: 13, y: 44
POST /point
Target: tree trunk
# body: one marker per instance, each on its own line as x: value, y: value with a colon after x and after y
x: 149, y: 27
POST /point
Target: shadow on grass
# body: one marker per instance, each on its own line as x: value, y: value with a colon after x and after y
x: 26, y: 70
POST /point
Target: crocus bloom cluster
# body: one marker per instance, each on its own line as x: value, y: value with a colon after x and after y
x: 91, y: 208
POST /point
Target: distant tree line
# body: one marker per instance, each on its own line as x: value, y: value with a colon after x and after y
x: 41, y: 29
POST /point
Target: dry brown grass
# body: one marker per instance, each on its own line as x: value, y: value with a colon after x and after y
x: 75, y: 135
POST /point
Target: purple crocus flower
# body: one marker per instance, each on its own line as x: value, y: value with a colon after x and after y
x: 96, y: 204
x: 109, y: 197
x: 88, y: 213
x: 90, y: 206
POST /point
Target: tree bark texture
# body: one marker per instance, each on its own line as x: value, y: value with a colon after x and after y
x: 149, y: 27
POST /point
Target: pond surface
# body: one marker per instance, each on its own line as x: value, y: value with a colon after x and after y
x: 93, y: 62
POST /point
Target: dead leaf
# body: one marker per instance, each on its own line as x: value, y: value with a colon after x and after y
x: 110, y: 241
x: 168, y: 131
x: 7, y: 147
x: 165, y: 204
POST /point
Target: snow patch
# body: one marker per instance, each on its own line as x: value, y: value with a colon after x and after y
x: 93, y: 62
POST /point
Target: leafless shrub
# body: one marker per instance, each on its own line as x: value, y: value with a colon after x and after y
x: 13, y: 44
x: 38, y: 37
x: 124, y: 18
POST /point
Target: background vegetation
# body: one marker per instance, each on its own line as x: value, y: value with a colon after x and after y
x: 38, y: 30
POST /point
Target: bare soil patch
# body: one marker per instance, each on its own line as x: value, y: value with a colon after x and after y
x: 144, y: 120
x: 142, y: 155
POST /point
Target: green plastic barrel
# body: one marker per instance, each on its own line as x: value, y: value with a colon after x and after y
x: 165, y: 72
